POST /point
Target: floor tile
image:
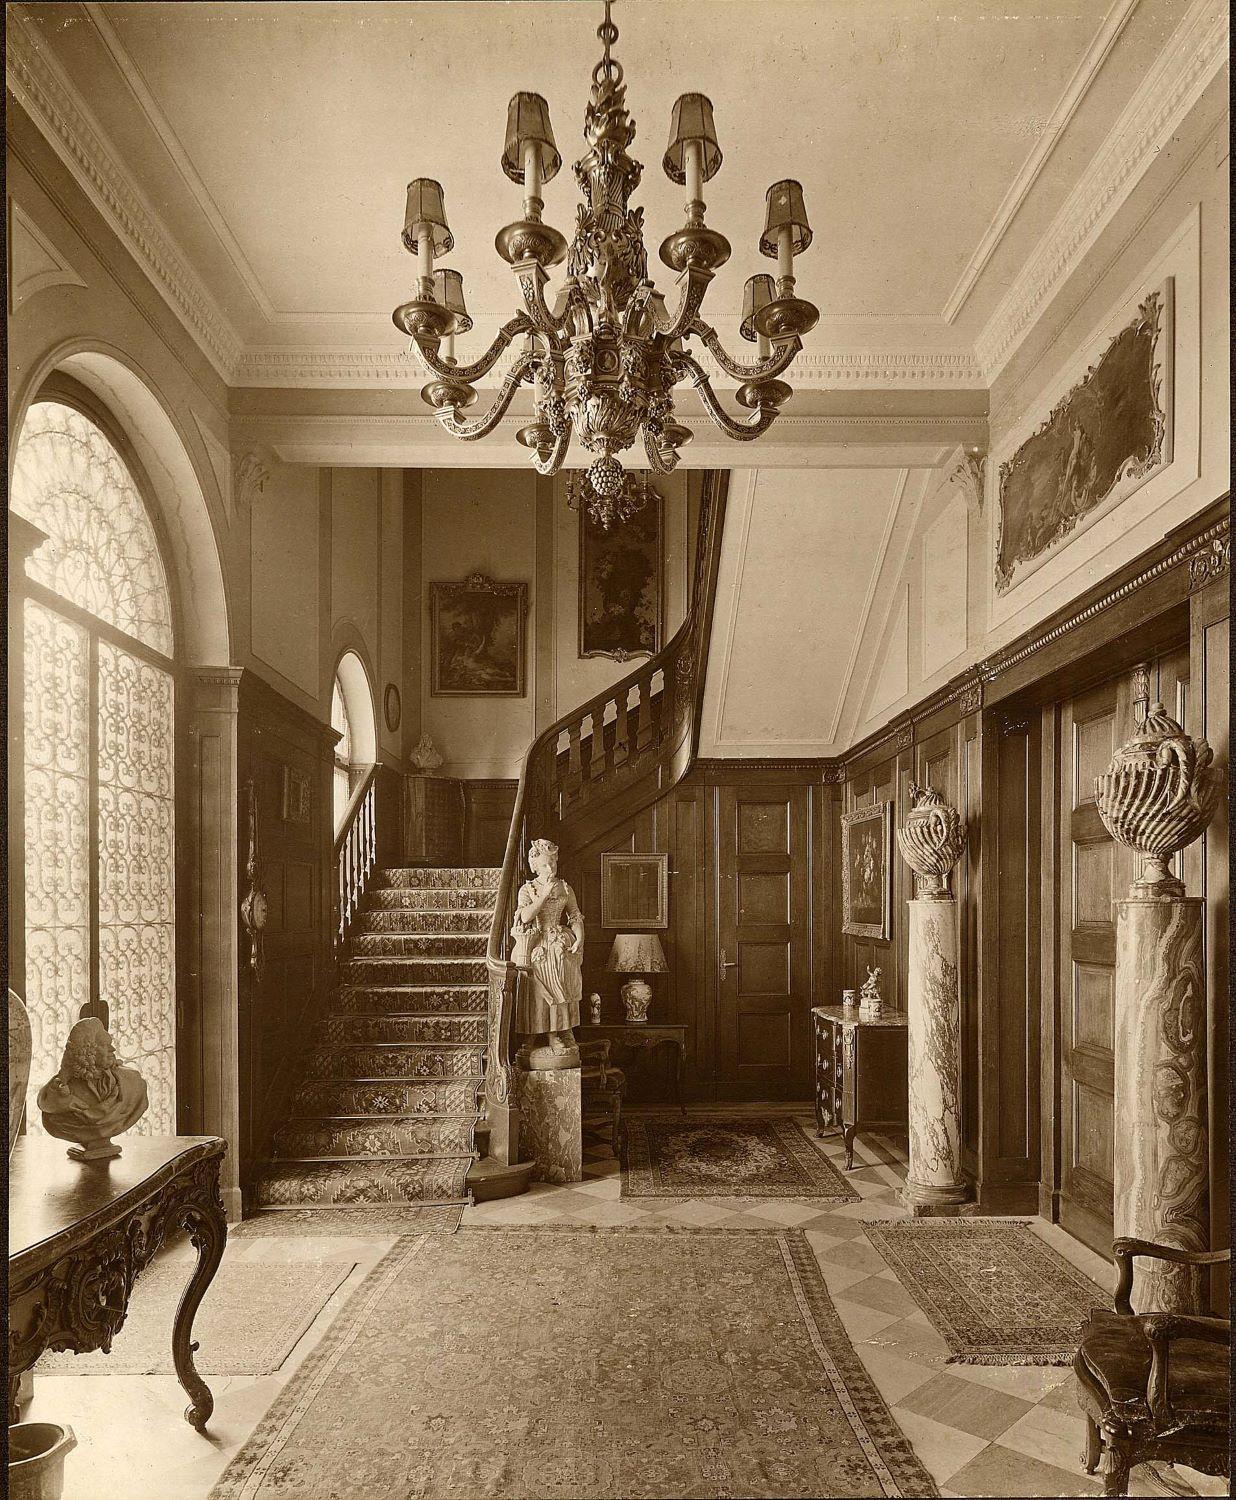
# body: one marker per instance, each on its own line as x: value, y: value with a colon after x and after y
x: 1000, y: 1471
x: 894, y: 1377
x: 1056, y: 1437
x: 942, y: 1450
x: 1030, y: 1382
x: 857, y: 1254
x: 960, y: 1403
x: 887, y: 1296
x: 911, y: 1340
x: 860, y: 1322
x: 777, y: 1211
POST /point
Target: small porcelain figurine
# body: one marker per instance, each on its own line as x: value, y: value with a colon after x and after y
x: 549, y: 941
x: 594, y: 1005
x: 869, y: 1001
x: 92, y: 1097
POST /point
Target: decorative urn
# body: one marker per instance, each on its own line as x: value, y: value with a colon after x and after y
x: 932, y: 841
x: 1157, y: 795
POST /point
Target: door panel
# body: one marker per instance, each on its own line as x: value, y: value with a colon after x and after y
x: 762, y: 963
x: 1096, y: 872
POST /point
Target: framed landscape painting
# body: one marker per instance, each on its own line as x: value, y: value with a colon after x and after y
x: 620, y: 584
x: 477, y: 638
x: 867, y: 872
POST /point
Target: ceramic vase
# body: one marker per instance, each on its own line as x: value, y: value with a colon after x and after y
x: 636, y: 998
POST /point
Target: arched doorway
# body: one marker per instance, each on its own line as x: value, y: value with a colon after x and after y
x: 353, y: 717
x: 98, y: 773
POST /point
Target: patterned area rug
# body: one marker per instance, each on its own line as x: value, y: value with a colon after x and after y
x: 409, y: 1219
x: 588, y: 1364
x: 252, y: 1317
x: 727, y: 1156
x: 996, y: 1293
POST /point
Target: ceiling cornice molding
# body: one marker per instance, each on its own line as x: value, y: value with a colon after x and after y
x: 55, y: 107
x: 813, y: 369
x: 1193, y: 56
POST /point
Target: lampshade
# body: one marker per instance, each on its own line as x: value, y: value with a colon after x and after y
x: 758, y: 293
x: 637, y: 953
x: 527, y: 119
x: 786, y: 207
x: 691, y: 121
x: 448, y: 290
x: 425, y: 206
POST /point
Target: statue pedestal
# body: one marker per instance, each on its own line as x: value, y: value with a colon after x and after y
x: 1161, y: 1181
x: 551, y: 1122
x: 934, y: 1185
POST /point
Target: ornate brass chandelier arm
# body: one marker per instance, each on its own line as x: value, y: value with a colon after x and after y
x: 557, y: 455
x: 663, y: 461
x: 532, y: 285
x: 758, y: 423
x: 507, y: 334
x: 757, y: 369
x: 679, y: 326
x: 481, y: 427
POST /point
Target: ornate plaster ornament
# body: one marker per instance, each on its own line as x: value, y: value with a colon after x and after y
x: 1157, y: 796
x: 932, y: 841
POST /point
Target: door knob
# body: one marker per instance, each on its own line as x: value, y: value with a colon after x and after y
x: 731, y: 963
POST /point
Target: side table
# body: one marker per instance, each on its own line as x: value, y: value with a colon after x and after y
x: 861, y: 1077
x: 81, y: 1232
x: 641, y: 1037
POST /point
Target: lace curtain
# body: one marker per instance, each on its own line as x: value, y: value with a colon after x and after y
x: 98, y: 750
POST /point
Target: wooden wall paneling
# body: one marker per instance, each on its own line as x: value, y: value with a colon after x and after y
x: 886, y: 781
x: 1210, y: 668
x: 688, y: 956
x: 967, y: 887
x: 488, y: 806
x: 1051, y: 873
x: 297, y: 873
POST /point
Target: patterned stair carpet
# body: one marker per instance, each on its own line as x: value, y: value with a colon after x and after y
x: 389, y: 1095
x: 592, y: 1363
x: 996, y: 1292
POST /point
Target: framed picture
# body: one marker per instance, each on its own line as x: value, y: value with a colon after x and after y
x: 392, y: 707
x: 867, y: 872
x: 634, y: 891
x: 1107, y: 436
x: 620, y: 584
x: 297, y: 795
x: 477, y: 638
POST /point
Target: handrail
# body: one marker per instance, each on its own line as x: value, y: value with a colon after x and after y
x: 356, y: 853
x: 588, y: 757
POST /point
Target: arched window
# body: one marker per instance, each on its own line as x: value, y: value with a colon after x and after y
x: 352, y: 715
x: 99, y: 704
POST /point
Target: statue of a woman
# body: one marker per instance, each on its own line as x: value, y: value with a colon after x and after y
x: 549, y: 942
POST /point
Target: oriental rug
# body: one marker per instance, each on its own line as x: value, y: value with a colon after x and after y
x: 253, y: 1315
x: 995, y: 1292
x: 572, y: 1363
x: 392, y: 1220
x: 726, y: 1156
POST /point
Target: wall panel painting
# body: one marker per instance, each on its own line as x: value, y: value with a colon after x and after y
x: 620, y: 591
x: 1103, y: 440
x: 477, y: 638
x: 867, y: 872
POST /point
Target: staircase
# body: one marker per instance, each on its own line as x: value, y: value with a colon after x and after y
x: 386, y: 1107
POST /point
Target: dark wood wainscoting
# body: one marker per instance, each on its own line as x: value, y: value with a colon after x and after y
x: 277, y: 743
x: 488, y: 806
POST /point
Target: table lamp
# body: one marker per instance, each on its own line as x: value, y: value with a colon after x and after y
x: 637, y: 953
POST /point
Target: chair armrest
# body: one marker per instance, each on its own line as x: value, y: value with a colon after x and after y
x: 1126, y: 1248
x: 1160, y: 1329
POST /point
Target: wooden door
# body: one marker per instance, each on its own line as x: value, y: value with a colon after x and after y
x: 1095, y: 872
x: 761, y: 932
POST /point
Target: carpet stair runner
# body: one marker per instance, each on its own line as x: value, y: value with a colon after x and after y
x: 387, y: 1106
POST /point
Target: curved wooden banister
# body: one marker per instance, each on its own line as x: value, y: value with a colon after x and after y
x: 630, y: 743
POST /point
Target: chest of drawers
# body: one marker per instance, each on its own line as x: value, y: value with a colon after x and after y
x: 860, y: 1073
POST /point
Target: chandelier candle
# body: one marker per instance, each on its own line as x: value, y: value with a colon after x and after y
x: 604, y: 361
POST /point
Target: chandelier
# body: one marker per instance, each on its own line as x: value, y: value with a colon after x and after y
x: 604, y: 361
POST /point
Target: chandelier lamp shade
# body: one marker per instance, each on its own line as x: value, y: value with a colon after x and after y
x: 604, y: 360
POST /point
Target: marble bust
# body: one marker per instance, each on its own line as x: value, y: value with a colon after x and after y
x: 92, y: 1097
x: 549, y: 941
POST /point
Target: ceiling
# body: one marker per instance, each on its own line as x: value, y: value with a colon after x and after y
x: 272, y: 142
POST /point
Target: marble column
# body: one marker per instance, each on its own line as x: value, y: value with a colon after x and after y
x: 934, y: 1183
x: 551, y: 1122
x: 931, y: 843
x: 1156, y: 797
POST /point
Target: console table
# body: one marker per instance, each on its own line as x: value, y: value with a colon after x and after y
x: 642, y: 1037
x: 860, y: 1072
x: 80, y: 1232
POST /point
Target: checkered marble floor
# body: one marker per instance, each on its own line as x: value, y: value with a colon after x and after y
x: 978, y: 1430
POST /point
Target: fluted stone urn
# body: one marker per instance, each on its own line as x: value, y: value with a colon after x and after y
x: 1157, y: 796
x: 932, y: 841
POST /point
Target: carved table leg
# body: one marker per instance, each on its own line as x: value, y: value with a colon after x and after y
x: 1094, y: 1446
x: 206, y: 1224
x: 847, y: 1134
